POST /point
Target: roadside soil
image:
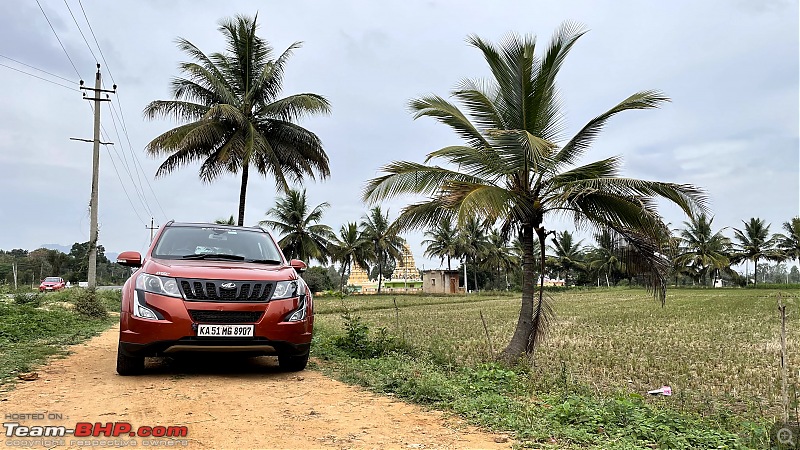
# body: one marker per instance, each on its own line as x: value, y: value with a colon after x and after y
x: 229, y: 404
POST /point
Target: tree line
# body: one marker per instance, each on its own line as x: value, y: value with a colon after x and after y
x: 699, y: 255
x: 33, y: 266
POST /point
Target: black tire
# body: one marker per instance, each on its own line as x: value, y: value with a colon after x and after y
x: 129, y: 365
x: 293, y: 363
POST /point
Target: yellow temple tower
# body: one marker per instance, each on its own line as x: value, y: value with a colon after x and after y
x: 406, y: 268
x: 358, y: 276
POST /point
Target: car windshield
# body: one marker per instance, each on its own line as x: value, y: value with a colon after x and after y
x: 180, y: 242
x: 52, y: 279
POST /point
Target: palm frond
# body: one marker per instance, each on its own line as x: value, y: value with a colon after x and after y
x: 479, y: 97
x: 412, y: 178
x: 185, y: 111
x: 295, y: 107
x: 579, y: 143
x: 478, y: 162
x: 448, y: 114
x: 521, y: 151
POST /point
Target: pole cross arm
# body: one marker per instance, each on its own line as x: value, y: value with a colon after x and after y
x: 111, y: 91
x: 90, y: 140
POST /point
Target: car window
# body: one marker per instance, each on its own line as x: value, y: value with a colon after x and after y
x: 177, y: 242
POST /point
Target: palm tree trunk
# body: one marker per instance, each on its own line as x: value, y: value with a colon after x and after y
x: 341, y: 277
x: 755, y: 272
x: 243, y: 193
x: 537, y: 316
x: 522, y: 334
x: 380, y: 272
x: 475, y: 274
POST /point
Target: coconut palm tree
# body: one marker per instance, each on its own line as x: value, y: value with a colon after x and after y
x: 234, y: 118
x: 499, y: 257
x: 442, y: 242
x: 702, y: 249
x: 605, y: 258
x: 754, y: 244
x: 789, y: 243
x: 472, y: 244
x: 302, y: 236
x: 567, y: 254
x: 384, y: 239
x: 515, y: 166
x: 349, y: 246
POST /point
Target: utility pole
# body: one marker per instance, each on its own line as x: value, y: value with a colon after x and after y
x: 95, y: 171
x: 151, y: 228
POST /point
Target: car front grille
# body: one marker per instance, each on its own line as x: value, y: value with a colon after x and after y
x: 226, y: 291
x: 201, y: 316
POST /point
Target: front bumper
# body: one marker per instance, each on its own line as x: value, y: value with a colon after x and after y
x: 175, y: 331
x: 254, y: 346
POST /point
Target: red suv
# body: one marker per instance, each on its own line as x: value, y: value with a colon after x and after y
x: 214, y: 288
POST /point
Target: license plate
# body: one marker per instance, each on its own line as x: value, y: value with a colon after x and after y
x: 225, y: 330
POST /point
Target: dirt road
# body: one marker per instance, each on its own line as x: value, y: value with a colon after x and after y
x: 236, y: 404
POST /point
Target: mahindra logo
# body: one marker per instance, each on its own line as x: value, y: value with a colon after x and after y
x: 228, y: 285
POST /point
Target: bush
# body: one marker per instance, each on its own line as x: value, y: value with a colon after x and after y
x: 318, y: 279
x: 358, y: 343
x: 88, y: 304
x: 33, y: 299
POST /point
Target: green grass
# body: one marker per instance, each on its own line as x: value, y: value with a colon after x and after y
x: 29, y: 334
x: 718, y: 349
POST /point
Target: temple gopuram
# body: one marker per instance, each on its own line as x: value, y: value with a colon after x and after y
x: 405, y: 277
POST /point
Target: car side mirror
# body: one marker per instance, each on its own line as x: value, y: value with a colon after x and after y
x: 298, y: 265
x: 130, y: 259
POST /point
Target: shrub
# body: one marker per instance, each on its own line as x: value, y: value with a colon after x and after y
x: 358, y: 343
x: 88, y: 304
x: 33, y: 299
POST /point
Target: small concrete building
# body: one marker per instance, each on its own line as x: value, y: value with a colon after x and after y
x: 440, y: 281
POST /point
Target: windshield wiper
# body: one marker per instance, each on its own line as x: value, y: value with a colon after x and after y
x: 264, y: 261
x: 213, y: 256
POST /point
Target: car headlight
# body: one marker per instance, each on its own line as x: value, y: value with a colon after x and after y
x: 285, y: 289
x: 158, y: 285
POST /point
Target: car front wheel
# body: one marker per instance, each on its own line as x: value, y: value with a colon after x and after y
x: 293, y: 363
x: 129, y: 365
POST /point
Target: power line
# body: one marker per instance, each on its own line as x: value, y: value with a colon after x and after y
x: 36, y: 76
x: 96, y: 42
x: 123, y: 187
x: 139, y: 191
x: 80, y: 31
x: 36, y: 68
x: 58, y: 39
x: 119, y: 178
x: 136, y: 162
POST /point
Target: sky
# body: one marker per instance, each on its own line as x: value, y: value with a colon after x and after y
x: 730, y: 68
